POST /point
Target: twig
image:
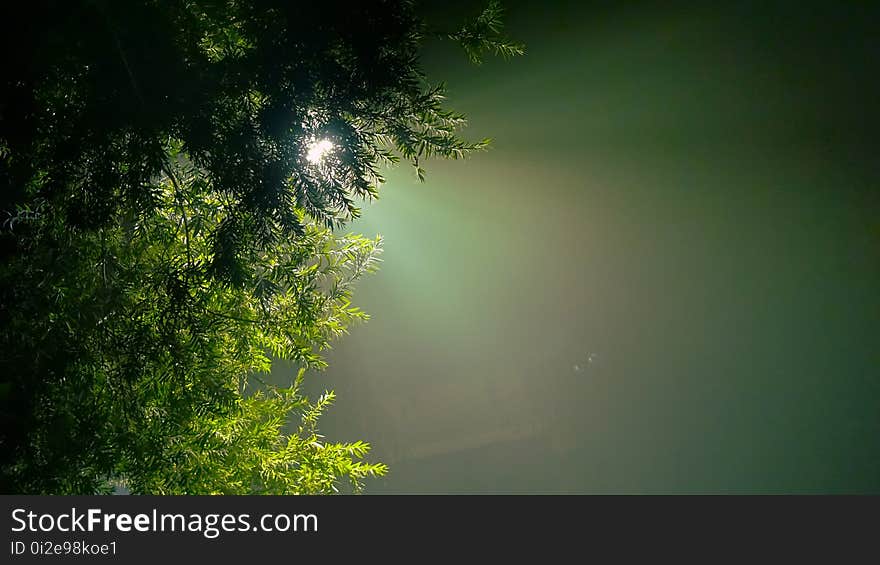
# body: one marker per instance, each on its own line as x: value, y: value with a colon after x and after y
x: 179, y: 199
x: 233, y: 318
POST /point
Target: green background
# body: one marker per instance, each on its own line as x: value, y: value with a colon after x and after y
x: 663, y: 277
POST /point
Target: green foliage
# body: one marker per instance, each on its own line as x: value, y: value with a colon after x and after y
x: 485, y: 35
x: 151, y: 377
x: 165, y: 237
x: 250, y: 452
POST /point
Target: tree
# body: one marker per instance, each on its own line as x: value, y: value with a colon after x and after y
x: 174, y: 175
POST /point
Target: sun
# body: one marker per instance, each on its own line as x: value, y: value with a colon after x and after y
x: 318, y: 150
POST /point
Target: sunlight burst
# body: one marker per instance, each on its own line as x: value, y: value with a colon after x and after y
x: 318, y: 150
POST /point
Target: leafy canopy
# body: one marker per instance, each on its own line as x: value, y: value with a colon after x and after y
x: 166, y: 232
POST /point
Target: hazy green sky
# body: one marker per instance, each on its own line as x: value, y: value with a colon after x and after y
x: 686, y: 196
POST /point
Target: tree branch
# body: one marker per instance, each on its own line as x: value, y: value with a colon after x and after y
x: 233, y: 318
x: 178, y: 197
